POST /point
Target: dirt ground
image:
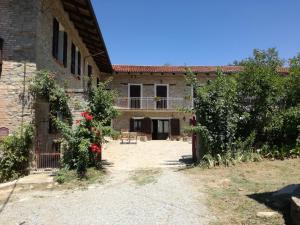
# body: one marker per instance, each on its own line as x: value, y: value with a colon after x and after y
x: 237, y: 194
x: 150, y: 154
x: 145, y: 185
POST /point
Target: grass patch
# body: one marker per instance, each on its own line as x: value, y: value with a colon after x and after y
x: 69, y: 178
x: 143, y: 177
x: 237, y: 193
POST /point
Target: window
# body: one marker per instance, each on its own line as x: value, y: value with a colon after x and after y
x: 75, y: 60
x: 1, y: 54
x: 90, y: 70
x: 98, y: 81
x: 135, y: 94
x: 59, y: 43
x: 136, y: 125
x: 89, y: 83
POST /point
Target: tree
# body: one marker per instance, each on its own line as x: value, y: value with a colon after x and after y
x: 101, y: 103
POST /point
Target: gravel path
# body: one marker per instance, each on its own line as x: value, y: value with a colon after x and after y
x: 169, y: 198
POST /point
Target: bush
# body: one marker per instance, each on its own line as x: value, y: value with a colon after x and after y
x: 14, y: 161
x: 101, y: 103
x: 82, y: 145
x: 217, y: 118
x: 256, y: 111
x: 282, y: 130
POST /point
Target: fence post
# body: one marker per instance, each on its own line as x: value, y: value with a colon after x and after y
x: 194, y: 139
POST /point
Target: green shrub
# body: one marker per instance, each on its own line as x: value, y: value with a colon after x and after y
x: 15, y: 156
x: 254, y: 112
x: 217, y: 120
x: 282, y: 130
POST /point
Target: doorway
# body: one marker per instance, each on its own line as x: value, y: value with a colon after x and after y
x: 135, y: 93
x: 161, y: 91
x: 161, y: 129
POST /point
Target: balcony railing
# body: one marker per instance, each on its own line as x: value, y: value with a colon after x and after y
x: 153, y: 103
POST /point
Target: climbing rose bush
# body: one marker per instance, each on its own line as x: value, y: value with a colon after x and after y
x: 83, y: 144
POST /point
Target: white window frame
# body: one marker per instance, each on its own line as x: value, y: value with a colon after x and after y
x: 168, y: 92
x: 128, y: 94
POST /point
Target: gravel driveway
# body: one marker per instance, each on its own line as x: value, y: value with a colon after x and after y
x: 127, y: 197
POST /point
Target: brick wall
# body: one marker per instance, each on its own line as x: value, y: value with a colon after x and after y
x: 44, y: 34
x: 18, y: 21
x: 26, y: 27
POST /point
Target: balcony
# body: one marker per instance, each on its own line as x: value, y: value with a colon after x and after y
x: 153, y: 103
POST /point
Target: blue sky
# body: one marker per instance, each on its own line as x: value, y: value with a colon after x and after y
x: 196, y: 32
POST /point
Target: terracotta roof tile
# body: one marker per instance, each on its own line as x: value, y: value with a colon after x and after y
x: 179, y: 69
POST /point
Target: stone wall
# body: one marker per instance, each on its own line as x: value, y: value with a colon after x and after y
x: 177, y: 84
x: 178, y: 88
x: 15, y: 101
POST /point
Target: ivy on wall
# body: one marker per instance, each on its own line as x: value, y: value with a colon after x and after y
x: 44, y: 87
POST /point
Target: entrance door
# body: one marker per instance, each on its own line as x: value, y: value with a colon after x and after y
x: 162, y: 94
x: 135, y: 96
x: 160, y: 129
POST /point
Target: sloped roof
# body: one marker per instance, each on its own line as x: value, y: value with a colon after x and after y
x: 82, y: 14
x: 180, y: 69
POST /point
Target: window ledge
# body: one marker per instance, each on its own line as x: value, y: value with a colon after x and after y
x: 59, y: 63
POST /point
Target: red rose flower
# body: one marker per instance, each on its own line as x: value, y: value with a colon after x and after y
x: 87, y: 116
x: 95, y: 148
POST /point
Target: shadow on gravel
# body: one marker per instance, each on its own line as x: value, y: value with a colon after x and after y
x: 279, y: 200
x: 106, y: 163
x: 8, y: 197
x: 186, y: 160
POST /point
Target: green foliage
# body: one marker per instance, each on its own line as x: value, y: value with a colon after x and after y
x: 15, y: 154
x: 43, y: 86
x: 283, y: 129
x: 217, y: 118
x: 82, y: 144
x: 260, y: 92
x: 101, y: 103
x: 254, y: 112
x: 77, y: 143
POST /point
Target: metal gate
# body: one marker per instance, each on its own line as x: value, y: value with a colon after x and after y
x: 49, y: 159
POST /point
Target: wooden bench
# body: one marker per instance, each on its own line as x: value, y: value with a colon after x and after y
x: 129, y: 137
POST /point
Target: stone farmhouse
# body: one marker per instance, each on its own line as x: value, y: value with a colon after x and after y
x: 151, y: 98
x: 63, y: 36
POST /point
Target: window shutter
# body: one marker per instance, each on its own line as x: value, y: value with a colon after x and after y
x: 73, y: 58
x: 90, y: 70
x: 146, y: 125
x: 55, y: 38
x: 175, y: 127
x: 65, y: 49
x: 131, y: 127
x: 79, y: 63
x: 1, y: 54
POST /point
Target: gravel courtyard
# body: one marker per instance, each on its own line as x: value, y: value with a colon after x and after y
x: 144, y: 186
